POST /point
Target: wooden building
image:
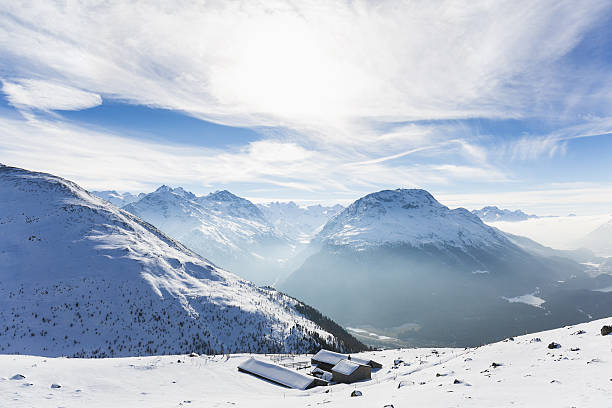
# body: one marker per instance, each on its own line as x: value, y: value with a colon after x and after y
x: 279, y: 375
x: 348, y: 371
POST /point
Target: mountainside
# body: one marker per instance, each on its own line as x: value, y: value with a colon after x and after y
x: 401, y: 265
x: 80, y: 277
x: 298, y: 223
x: 116, y: 198
x: 410, y: 217
x: 492, y: 213
x: 230, y: 231
x: 599, y: 240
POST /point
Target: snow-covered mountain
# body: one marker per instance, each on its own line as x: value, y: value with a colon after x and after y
x: 400, y: 263
x: 413, y: 217
x: 81, y: 277
x: 230, y: 231
x: 492, y: 214
x: 518, y: 372
x: 116, y: 198
x: 298, y: 223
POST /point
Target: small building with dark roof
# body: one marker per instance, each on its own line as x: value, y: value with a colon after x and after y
x: 349, y: 371
x: 326, y: 360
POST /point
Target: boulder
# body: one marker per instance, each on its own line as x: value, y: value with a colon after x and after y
x: 356, y: 393
x: 54, y: 385
x: 18, y: 377
x: 605, y: 330
x: 554, y: 345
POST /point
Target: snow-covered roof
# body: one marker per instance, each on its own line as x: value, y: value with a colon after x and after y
x: 333, y: 358
x: 346, y: 367
x: 276, y: 373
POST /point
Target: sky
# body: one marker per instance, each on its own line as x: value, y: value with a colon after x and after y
x: 504, y: 103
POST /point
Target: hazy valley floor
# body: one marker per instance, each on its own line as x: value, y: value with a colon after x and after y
x: 578, y: 374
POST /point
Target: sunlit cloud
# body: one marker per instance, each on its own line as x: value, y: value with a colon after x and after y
x: 348, y: 97
x: 313, y: 66
x: 104, y: 160
x: 45, y: 95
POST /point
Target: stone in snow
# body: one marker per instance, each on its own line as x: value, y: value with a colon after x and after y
x: 605, y: 330
x: 55, y: 385
x: 18, y: 377
x: 356, y: 393
x: 554, y: 345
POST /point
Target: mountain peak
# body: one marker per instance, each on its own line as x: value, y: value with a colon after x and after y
x: 408, y: 198
x: 223, y: 195
x: 493, y: 213
x: 406, y: 216
x: 180, y: 191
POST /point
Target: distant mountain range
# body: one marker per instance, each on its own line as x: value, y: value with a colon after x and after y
x: 492, y: 214
x: 118, y: 199
x: 296, y: 222
x: 400, y: 263
x: 230, y: 231
x: 81, y: 277
x: 259, y: 242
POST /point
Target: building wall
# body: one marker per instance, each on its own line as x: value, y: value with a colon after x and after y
x: 360, y: 374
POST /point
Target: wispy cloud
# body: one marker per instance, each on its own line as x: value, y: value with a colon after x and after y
x: 311, y: 66
x: 46, y: 95
x: 542, y: 199
x: 555, y: 143
x: 103, y: 160
x: 355, y: 96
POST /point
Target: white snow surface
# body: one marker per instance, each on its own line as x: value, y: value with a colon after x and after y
x: 529, y: 299
x: 300, y: 223
x: 81, y: 277
x: 530, y: 375
x: 407, y: 216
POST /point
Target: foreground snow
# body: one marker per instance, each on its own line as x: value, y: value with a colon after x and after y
x: 530, y: 375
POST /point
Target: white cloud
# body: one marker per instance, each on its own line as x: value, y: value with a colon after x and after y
x: 46, y: 95
x: 315, y: 66
x: 546, y: 199
x: 103, y: 160
x: 555, y: 144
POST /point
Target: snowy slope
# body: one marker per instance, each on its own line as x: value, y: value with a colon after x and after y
x: 229, y: 230
x: 599, y: 240
x: 78, y: 276
x: 410, y: 217
x: 529, y: 375
x: 492, y: 214
x: 296, y: 222
x: 116, y: 198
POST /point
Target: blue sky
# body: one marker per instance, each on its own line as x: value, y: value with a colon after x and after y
x: 507, y: 104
